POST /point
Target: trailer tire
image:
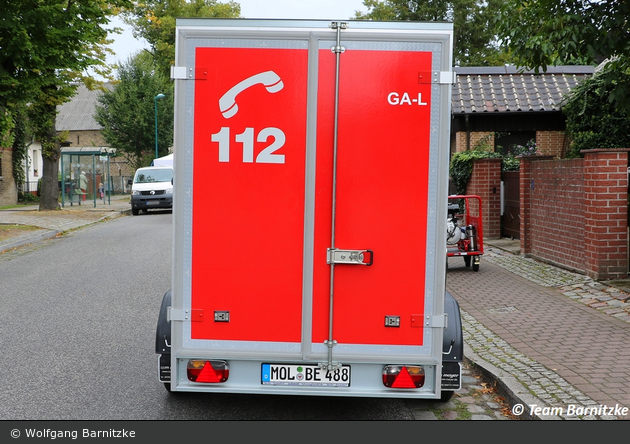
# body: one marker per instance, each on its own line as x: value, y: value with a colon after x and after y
x: 167, y: 386
x: 475, y: 267
x: 446, y: 396
x: 467, y: 261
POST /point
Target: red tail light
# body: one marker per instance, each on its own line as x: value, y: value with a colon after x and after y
x: 403, y: 376
x: 208, y: 371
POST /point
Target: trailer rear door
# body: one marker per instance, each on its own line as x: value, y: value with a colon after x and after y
x: 382, y: 178
x: 310, y: 189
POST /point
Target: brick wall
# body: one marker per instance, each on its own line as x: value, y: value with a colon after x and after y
x: 553, y: 191
x: 85, y: 138
x: 461, y: 140
x: 550, y: 143
x: 574, y: 212
x: 485, y: 182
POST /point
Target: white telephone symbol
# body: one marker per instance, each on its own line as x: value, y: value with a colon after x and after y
x: 269, y: 79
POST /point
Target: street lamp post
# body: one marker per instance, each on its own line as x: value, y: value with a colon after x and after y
x: 155, y: 99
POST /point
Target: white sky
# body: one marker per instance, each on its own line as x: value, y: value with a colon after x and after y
x: 125, y: 45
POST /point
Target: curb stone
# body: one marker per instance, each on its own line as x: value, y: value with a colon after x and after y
x: 509, y: 387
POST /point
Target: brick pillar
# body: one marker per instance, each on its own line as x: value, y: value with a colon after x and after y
x: 485, y: 182
x: 606, y: 213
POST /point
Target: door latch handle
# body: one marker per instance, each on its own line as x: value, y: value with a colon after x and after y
x: 350, y: 257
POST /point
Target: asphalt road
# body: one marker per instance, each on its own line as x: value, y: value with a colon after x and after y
x: 77, y: 331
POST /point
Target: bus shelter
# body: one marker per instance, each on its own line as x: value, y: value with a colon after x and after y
x: 85, y: 175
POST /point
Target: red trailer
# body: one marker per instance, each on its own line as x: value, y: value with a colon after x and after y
x: 464, y: 230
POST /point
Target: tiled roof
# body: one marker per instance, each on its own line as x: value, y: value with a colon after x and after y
x: 505, y: 89
x: 77, y: 114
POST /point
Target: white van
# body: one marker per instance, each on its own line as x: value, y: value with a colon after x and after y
x: 152, y: 187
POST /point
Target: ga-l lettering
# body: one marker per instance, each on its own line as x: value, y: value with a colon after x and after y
x: 394, y: 98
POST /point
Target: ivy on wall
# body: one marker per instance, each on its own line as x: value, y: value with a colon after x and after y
x: 461, y: 166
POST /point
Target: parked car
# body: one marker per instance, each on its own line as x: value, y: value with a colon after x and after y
x: 151, y: 188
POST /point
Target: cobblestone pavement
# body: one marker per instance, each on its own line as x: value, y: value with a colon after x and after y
x: 478, y: 400
x: 605, y: 298
x: 523, y: 380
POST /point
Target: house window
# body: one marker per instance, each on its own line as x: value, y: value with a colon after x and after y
x: 504, y: 142
x: 35, y: 163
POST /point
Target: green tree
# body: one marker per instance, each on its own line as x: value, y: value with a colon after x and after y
x: 474, y: 24
x: 20, y: 152
x: 556, y: 32
x: 127, y: 112
x: 154, y: 21
x: 592, y: 122
x: 47, y: 47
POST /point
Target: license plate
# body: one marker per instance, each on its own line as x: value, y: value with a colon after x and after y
x: 305, y: 375
x: 153, y: 202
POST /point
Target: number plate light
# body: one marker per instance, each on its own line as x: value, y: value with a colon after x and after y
x: 403, y: 376
x: 208, y: 371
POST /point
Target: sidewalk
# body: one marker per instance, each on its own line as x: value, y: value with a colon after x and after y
x: 51, y: 223
x: 548, y: 337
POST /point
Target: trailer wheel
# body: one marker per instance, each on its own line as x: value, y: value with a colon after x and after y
x: 446, y: 396
x: 467, y: 261
x: 475, y: 266
x: 167, y: 386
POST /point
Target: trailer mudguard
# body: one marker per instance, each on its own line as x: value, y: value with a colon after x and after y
x: 163, y: 331
x: 163, y: 341
x: 452, y: 348
x: 453, y: 339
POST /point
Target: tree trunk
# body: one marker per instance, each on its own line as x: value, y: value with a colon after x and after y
x: 51, y: 153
